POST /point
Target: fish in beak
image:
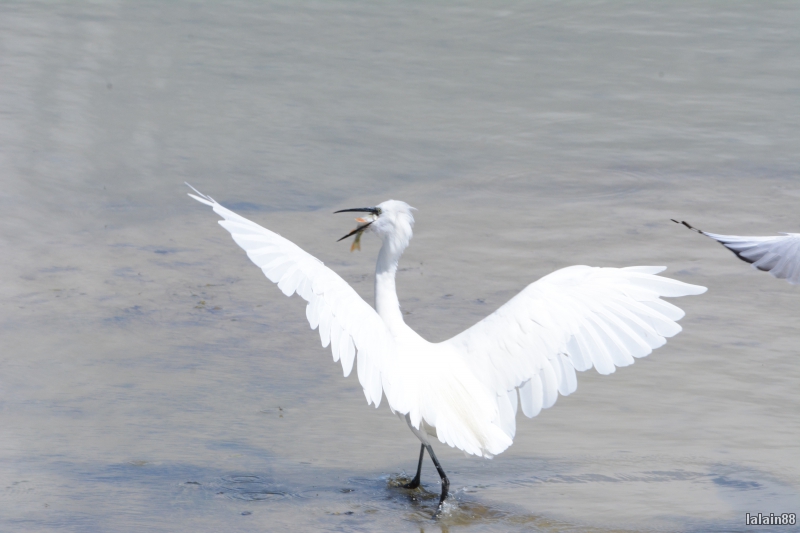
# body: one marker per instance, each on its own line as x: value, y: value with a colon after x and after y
x: 363, y: 224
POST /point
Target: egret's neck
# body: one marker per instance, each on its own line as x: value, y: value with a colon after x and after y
x: 386, y: 302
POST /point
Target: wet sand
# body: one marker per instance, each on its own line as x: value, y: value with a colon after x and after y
x: 153, y: 379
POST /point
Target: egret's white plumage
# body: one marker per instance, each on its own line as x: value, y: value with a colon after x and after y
x: 466, y: 391
x: 779, y: 255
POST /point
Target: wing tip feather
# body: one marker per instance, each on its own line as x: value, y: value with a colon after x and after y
x: 200, y: 197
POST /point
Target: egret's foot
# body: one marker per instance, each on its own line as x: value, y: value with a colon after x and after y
x: 443, y: 497
x: 439, y: 510
x: 413, y: 484
x: 445, y: 481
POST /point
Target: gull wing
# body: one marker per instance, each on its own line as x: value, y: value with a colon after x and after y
x: 576, y: 318
x: 345, y: 320
x: 778, y: 255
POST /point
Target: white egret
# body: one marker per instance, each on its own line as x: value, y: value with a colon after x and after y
x: 465, y: 391
x: 779, y: 255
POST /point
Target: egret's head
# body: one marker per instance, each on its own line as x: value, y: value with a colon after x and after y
x: 391, y: 220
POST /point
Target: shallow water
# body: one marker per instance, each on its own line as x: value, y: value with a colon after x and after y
x: 152, y: 379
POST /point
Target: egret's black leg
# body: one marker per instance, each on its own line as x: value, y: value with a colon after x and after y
x: 445, y: 481
x: 415, y: 482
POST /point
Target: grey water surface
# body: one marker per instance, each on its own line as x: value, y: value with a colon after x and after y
x: 151, y: 378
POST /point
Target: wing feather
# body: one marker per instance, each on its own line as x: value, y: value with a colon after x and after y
x: 549, y: 385
x: 336, y: 333
x: 325, y: 317
x: 573, y: 319
x: 531, y: 397
x: 507, y: 412
x: 344, y: 320
x: 348, y: 356
x: 779, y: 255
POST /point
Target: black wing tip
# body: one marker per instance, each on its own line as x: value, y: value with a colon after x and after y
x: 683, y: 222
x: 737, y: 254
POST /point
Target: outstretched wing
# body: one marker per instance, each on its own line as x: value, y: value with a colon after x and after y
x: 778, y: 255
x: 344, y: 319
x: 573, y: 319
